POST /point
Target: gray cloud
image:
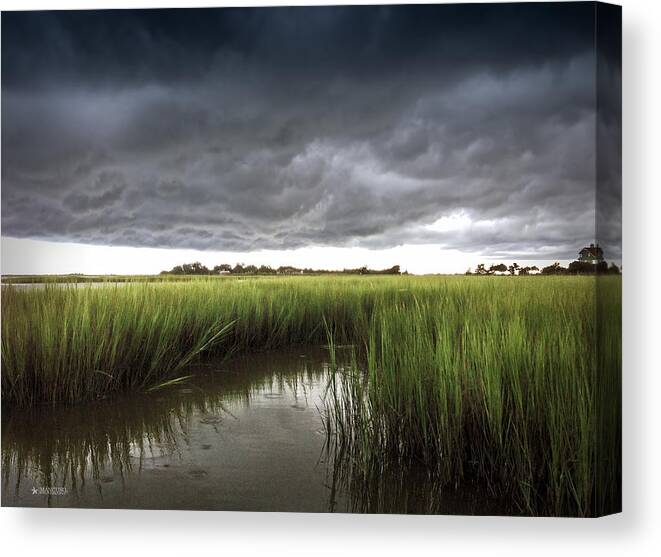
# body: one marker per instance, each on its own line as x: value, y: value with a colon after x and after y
x: 328, y: 126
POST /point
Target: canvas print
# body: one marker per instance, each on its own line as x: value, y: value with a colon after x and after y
x: 357, y: 259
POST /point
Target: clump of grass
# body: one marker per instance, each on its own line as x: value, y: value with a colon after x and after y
x: 69, y: 344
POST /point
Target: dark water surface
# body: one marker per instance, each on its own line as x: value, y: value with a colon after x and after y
x: 245, y: 434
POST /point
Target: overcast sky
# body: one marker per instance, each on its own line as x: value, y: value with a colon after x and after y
x: 302, y: 134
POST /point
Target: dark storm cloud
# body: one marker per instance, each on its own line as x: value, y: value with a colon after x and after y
x: 279, y: 128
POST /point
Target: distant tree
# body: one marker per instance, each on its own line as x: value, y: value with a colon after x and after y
x: 288, y: 270
x: 266, y: 270
x: 554, y: 269
x: 581, y: 268
x: 195, y: 269
x: 481, y: 270
x: 238, y: 269
x: 588, y: 268
x: 524, y: 271
x: 613, y: 269
x: 222, y: 268
x: 513, y: 268
x: 468, y: 271
x: 500, y: 268
x: 188, y: 269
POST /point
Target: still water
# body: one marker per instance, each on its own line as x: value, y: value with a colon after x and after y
x: 245, y: 434
x: 44, y: 285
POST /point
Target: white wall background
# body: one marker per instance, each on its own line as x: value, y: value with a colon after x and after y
x: 637, y: 531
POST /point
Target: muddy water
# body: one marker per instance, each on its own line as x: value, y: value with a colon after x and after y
x: 245, y: 434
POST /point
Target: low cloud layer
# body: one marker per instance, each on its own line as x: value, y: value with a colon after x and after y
x: 470, y: 127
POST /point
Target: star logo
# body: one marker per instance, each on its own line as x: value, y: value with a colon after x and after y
x: 35, y: 491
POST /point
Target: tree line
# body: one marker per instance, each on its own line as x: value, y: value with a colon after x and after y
x: 574, y: 268
x: 197, y: 268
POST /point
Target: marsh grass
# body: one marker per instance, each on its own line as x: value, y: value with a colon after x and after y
x: 69, y: 344
x: 510, y: 381
x: 511, y: 384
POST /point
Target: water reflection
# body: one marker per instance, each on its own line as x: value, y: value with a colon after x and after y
x: 241, y: 435
x: 379, y: 486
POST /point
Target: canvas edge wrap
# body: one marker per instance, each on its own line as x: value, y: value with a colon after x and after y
x: 608, y: 233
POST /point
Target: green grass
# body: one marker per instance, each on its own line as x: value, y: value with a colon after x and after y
x: 512, y: 383
x: 509, y: 381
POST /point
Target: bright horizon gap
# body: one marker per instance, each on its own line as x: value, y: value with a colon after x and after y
x: 22, y: 256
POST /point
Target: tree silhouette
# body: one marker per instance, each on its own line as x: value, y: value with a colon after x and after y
x: 554, y: 269
x: 500, y: 268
